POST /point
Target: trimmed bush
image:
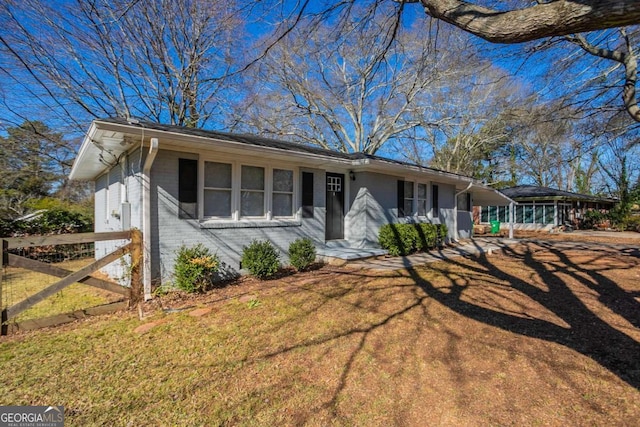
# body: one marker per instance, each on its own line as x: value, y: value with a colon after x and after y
x: 194, y: 268
x: 428, y: 235
x: 302, y: 253
x: 441, y: 234
x: 261, y: 259
x: 405, y: 239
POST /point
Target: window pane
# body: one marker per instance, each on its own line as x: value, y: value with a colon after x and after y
x: 549, y: 212
x: 282, y: 205
x: 217, y: 203
x: 422, y: 207
x: 484, y: 215
x: 408, y: 207
x: 252, y: 203
x: 519, y: 217
x: 422, y: 191
x: 539, y: 214
x: 502, y: 213
x: 528, y: 214
x: 217, y: 175
x: 408, y: 190
x: 252, y: 178
x: 462, y: 202
x: 283, y: 180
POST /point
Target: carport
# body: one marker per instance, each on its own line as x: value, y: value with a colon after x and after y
x: 483, y: 196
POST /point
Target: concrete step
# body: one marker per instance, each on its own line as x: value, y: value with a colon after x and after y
x: 341, y: 243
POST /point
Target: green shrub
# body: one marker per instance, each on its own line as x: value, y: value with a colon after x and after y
x: 441, y: 234
x: 633, y: 223
x: 428, y: 234
x: 591, y: 219
x: 404, y: 239
x: 194, y: 268
x: 261, y: 259
x: 389, y: 239
x: 302, y: 253
x: 55, y: 221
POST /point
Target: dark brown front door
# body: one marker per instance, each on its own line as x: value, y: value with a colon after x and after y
x: 334, y: 227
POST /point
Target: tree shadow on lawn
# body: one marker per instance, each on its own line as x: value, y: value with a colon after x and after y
x: 586, y: 332
x: 556, y: 283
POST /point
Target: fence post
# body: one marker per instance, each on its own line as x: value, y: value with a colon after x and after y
x: 136, y: 268
x: 3, y: 312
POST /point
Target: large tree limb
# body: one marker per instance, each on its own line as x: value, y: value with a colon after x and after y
x: 630, y: 62
x: 555, y: 18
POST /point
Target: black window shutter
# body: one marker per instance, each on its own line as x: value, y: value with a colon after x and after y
x: 187, y: 187
x: 307, y: 195
x: 435, y: 201
x: 401, y: 213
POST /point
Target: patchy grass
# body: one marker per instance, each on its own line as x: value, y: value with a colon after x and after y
x: 538, y: 335
x: 18, y: 284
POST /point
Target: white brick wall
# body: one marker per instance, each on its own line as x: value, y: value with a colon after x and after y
x: 169, y: 232
x: 372, y: 201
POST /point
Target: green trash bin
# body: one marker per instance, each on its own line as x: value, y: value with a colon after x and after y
x: 495, y: 227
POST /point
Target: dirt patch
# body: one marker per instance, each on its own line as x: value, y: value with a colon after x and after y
x: 591, y: 236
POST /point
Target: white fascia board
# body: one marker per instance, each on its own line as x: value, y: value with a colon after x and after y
x: 487, y: 196
x: 80, y: 169
x: 459, y: 181
x: 196, y: 144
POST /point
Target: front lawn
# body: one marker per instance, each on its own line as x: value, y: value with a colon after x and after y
x: 539, y: 335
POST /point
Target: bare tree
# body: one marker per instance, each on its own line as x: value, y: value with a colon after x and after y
x: 356, y: 90
x: 161, y: 60
x: 515, y: 21
x: 477, y: 126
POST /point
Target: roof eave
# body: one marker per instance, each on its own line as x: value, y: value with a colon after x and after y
x: 79, y: 171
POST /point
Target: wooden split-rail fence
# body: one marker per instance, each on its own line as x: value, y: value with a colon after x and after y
x: 131, y: 295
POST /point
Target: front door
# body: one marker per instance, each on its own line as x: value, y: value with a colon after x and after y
x: 334, y: 227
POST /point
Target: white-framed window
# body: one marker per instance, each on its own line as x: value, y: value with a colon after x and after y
x: 334, y: 184
x: 233, y: 191
x: 282, y: 193
x: 422, y: 199
x: 217, y: 190
x: 408, y: 198
x: 252, y: 192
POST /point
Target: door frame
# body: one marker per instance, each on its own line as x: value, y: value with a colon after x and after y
x: 331, y: 234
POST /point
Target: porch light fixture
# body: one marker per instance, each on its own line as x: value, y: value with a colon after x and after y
x: 352, y: 175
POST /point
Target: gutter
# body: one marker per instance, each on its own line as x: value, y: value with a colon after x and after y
x: 146, y: 217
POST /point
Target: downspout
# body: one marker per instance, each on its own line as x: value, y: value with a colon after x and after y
x: 455, y: 209
x: 146, y: 218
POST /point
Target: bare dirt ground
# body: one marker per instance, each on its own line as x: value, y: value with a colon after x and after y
x: 593, y: 236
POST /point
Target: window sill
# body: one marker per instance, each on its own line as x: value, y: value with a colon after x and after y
x: 256, y: 223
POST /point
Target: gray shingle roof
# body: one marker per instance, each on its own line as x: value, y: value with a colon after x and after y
x: 260, y: 141
x: 522, y: 192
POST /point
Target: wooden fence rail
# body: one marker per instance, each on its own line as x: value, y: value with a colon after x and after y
x: 133, y: 293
